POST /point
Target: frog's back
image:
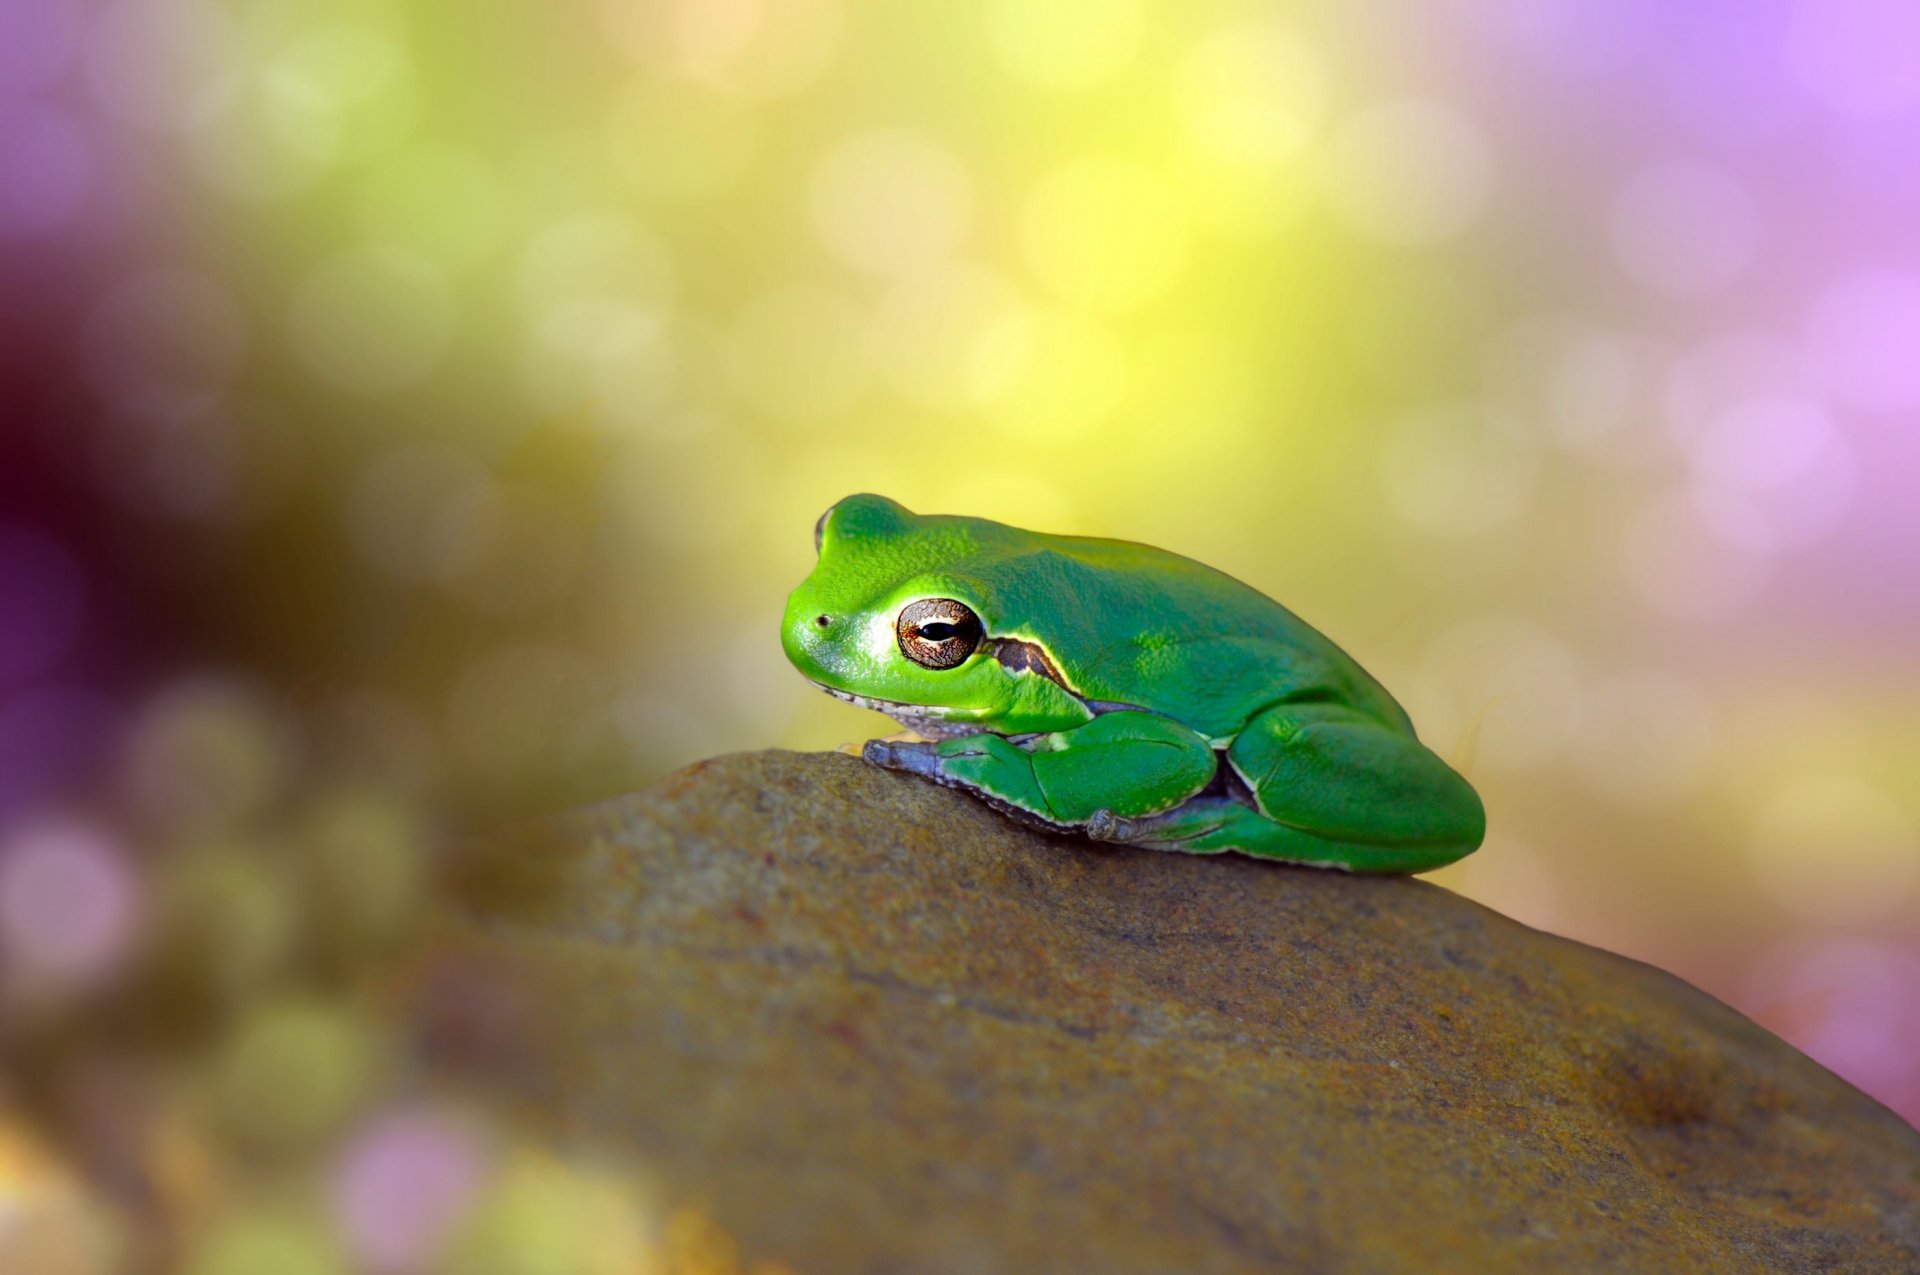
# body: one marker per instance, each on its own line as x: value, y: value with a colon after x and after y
x: 1129, y: 623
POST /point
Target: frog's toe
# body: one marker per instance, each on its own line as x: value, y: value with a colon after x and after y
x: 1104, y: 825
x: 900, y: 755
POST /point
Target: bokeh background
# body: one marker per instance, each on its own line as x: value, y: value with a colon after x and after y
x: 415, y: 414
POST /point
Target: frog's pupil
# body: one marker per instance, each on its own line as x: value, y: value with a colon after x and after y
x: 938, y: 632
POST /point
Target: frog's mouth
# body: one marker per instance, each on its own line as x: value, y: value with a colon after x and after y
x: 927, y: 720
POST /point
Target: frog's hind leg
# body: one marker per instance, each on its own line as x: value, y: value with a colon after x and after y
x: 1215, y: 825
x: 1329, y: 785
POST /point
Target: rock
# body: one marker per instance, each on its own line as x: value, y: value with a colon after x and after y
x: 871, y: 1026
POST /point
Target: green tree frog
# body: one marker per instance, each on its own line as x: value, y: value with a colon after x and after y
x: 1120, y: 690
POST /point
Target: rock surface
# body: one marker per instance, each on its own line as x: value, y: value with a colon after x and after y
x: 873, y: 1027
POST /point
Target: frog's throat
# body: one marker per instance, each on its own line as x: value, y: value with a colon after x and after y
x: 925, y: 720
x: 932, y: 721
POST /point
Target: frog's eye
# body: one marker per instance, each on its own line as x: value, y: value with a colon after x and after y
x: 938, y: 633
x: 819, y: 532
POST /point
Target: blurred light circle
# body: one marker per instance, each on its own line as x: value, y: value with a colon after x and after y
x: 1066, y: 44
x: 596, y: 256
x: 760, y: 48
x: 69, y: 905
x: 231, y: 460
x: 263, y: 137
x: 1409, y: 173
x: 441, y: 202
x: 292, y: 1072
x: 402, y: 1186
x: 56, y: 1219
x: 1053, y: 371
x: 1772, y: 472
x: 1794, y: 513
x: 257, y: 1241
x: 1520, y: 683
x: 679, y: 142
x: 544, y: 1216
x: 38, y: 39
x: 372, y: 320
x: 43, y: 599
x: 422, y: 511
x: 1725, y: 372
x: 166, y: 339
x: 934, y: 332
x: 1646, y: 739
x: 47, y: 170
x: 1599, y: 396
x: 1835, y: 849
x: 613, y: 362
x: 1863, y: 335
x: 1252, y: 93
x: 147, y: 61
x: 1684, y: 229
x: 1677, y: 567
x: 362, y: 856
x: 1763, y: 444
x: 1458, y: 471
x: 345, y: 63
x: 226, y: 922
x: 801, y: 353
x: 891, y: 202
x: 1106, y: 233
x: 205, y: 752
x: 754, y: 48
x: 1857, y: 57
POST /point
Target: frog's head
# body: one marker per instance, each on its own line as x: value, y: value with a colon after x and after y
x: 894, y: 614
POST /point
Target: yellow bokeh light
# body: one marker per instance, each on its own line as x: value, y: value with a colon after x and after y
x: 1105, y: 232
x: 443, y: 203
x: 1252, y: 94
x: 891, y: 202
x: 1066, y: 44
x: 1050, y: 374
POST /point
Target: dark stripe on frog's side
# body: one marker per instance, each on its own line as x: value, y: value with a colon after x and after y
x: 1030, y: 657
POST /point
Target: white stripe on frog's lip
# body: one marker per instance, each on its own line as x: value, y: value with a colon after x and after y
x: 923, y: 719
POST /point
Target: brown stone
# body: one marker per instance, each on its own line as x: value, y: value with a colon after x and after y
x: 871, y: 1026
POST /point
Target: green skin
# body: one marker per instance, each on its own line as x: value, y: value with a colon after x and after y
x: 1123, y: 691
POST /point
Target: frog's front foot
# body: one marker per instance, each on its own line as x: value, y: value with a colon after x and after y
x: 919, y: 759
x: 1104, y: 825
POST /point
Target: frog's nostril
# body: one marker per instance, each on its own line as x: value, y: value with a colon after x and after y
x: 824, y: 621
